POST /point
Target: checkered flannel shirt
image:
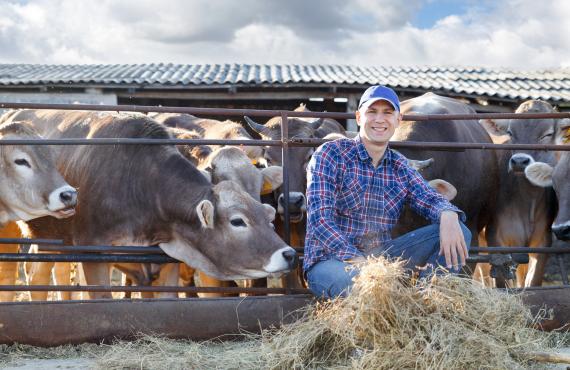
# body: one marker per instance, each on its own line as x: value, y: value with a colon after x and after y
x: 352, y: 206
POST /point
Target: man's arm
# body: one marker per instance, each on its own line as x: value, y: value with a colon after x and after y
x: 321, y: 199
x: 432, y: 205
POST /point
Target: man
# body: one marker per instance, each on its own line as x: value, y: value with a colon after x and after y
x: 356, y: 190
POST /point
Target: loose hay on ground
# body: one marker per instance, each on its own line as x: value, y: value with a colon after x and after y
x: 447, y: 322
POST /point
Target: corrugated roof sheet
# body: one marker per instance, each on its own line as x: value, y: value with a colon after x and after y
x: 552, y: 84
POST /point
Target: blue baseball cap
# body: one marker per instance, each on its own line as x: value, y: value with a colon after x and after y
x: 378, y: 92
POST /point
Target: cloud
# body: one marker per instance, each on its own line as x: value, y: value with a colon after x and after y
x: 511, y: 33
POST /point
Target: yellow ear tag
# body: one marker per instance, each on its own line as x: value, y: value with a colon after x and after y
x: 254, y: 162
x: 566, y: 136
x: 266, y: 188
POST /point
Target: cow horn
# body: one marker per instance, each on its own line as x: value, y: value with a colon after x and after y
x: 254, y: 125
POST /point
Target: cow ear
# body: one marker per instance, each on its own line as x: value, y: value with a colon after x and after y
x: 495, y: 127
x: 443, y: 187
x: 272, y: 179
x: 205, y: 210
x: 269, y: 212
x: 539, y: 174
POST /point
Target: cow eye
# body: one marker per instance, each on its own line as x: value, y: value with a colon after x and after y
x: 238, y: 222
x: 22, y: 162
x: 546, y: 135
x: 509, y: 132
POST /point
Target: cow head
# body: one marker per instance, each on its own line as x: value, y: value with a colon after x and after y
x: 30, y: 185
x: 543, y: 174
x: 231, y: 163
x: 235, y: 237
x: 298, y: 161
x: 526, y: 131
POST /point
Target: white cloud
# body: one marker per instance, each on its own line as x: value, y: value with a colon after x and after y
x: 513, y: 33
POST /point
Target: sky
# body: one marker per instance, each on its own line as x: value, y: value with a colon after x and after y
x: 523, y: 34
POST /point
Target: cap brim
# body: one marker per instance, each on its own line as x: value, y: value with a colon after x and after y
x: 368, y: 103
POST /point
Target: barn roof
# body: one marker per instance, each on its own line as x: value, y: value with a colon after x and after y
x: 549, y: 84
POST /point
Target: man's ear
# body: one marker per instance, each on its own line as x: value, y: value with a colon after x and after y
x: 357, y: 114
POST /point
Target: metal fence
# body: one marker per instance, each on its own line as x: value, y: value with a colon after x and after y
x: 132, y: 254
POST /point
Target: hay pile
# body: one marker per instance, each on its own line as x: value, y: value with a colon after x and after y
x: 446, y: 323
x: 386, y: 323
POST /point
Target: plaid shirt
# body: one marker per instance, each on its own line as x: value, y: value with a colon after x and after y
x: 352, y: 206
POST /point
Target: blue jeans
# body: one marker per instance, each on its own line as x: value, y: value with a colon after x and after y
x: 333, y: 278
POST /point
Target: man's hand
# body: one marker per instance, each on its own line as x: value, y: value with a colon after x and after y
x: 452, y: 242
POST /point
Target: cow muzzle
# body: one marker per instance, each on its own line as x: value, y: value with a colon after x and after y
x: 62, y: 201
x: 562, y: 232
x: 281, y: 261
x: 518, y: 162
x: 297, y: 206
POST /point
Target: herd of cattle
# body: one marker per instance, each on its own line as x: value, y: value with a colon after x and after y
x: 214, y: 207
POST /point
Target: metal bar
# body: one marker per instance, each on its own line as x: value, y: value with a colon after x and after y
x: 297, y: 142
x: 163, y: 289
x: 133, y: 141
x: 272, y: 113
x: 110, y: 258
x: 546, y: 250
x: 563, y: 271
x: 285, y: 185
x: 100, y: 248
x: 29, y: 241
x: 445, y: 145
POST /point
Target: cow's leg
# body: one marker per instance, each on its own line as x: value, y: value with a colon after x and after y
x: 535, y: 273
x: 62, y: 276
x: 168, y: 276
x: 97, y: 274
x: 187, y: 278
x: 39, y: 273
x: 9, y: 270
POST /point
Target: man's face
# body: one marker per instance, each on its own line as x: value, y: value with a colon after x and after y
x: 378, y: 123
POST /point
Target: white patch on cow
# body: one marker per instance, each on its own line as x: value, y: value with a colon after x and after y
x: 205, y: 211
x: 539, y: 174
x: 520, y: 156
x: 278, y: 263
x: 54, y: 200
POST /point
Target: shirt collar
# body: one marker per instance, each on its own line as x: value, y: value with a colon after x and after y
x: 363, y: 153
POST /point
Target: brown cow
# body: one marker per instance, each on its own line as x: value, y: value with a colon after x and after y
x: 151, y: 194
x: 545, y: 175
x: 524, y: 211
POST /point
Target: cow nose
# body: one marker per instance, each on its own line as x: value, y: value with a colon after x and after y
x: 519, y: 162
x: 291, y: 258
x: 68, y: 197
x: 562, y: 232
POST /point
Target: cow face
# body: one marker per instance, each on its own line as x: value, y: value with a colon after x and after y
x: 527, y: 131
x: 543, y: 174
x: 298, y: 160
x: 232, y: 164
x: 30, y: 185
x: 236, y: 241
